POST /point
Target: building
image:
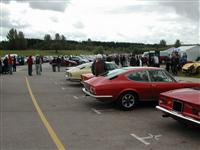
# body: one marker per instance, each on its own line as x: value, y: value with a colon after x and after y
x: 193, y: 52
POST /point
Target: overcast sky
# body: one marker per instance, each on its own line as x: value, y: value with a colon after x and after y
x: 143, y: 21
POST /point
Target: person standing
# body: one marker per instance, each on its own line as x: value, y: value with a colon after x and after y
x: 98, y: 66
x: 116, y: 59
x: 174, y: 63
x: 156, y: 61
x: 1, y: 66
x: 38, y: 62
x: 10, y: 63
x: 168, y: 63
x: 58, y: 62
x: 14, y: 64
x: 132, y: 61
x: 30, y: 63
x: 53, y: 63
x: 5, y: 66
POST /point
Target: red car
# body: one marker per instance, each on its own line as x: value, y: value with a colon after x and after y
x: 86, y: 76
x: 129, y: 85
x: 181, y: 104
x: 109, y: 66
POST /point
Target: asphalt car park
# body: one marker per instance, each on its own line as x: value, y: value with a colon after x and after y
x: 70, y: 120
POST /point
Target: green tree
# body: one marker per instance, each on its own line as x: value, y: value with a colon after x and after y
x: 63, y: 38
x: 99, y: 50
x: 46, y: 45
x: 21, y: 41
x: 177, y: 43
x: 57, y: 37
x: 47, y: 37
x: 11, y: 39
x: 163, y: 43
x: 56, y: 46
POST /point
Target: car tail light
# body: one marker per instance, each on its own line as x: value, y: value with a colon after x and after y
x: 196, y: 111
x: 92, y: 90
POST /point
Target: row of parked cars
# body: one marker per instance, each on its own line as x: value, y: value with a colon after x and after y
x: 128, y: 86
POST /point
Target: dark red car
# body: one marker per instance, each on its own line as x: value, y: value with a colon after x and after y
x: 129, y: 85
x: 182, y: 105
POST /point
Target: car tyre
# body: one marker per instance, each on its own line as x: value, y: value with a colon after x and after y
x: 127, y: 101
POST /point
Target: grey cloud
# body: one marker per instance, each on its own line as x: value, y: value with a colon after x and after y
x: 6, y: 21
x: 189, y: 9
x: 50, y: 5
x: 78, y: 25
x: 55, y: 5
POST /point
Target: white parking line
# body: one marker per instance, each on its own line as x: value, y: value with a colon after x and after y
x: 96, y: 111
x: 143, y: 139
x: 140, y: 139
x: 62, y: 88
x: 75, y: 97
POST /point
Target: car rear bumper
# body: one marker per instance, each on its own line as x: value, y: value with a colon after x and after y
x: 72, y: 79
x: 87, y: 93
x: 172, y: 113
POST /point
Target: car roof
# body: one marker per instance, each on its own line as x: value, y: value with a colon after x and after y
x: 141, y: 68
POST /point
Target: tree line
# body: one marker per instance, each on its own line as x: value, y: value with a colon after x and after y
x: 17, y: 41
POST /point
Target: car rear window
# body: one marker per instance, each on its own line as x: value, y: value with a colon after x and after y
x: 114, y: 73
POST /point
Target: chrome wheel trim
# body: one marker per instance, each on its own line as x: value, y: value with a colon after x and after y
x: 128, y: 100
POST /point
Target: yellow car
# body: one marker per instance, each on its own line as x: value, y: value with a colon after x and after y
x: 191, y: 68
x: 74, y: 73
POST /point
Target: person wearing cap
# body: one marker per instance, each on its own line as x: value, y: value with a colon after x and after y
x: 98, y: 66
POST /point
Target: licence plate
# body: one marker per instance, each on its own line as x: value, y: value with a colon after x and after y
x: 178, y: 106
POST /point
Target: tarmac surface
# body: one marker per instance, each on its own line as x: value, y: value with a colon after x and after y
x: 47, y: 112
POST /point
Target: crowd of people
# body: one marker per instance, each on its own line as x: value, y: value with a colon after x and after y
x: 38, y: 65
x: 8, y: 65
x: 173, y: 63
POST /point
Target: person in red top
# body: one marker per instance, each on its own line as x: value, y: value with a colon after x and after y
x: 98, y: 66
x: 10, y: 63
x: 30, y: 63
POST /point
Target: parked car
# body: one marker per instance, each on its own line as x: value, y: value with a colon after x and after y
x: 162, y: 56
x: 74, y: 74
x: 68, y: 63
x: 191, y: 68
x: 182, y: 105
x: 109, y: 66
x: 20, y: 60
x: 78, y: 59
x: 129, y: 85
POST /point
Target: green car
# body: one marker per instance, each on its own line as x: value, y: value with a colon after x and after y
x: 74, y: 73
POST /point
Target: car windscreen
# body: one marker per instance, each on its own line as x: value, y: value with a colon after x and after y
x: 115, y: 73
x: 84, y: 65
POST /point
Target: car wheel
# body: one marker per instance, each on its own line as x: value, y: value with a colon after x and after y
x: 127, y: 101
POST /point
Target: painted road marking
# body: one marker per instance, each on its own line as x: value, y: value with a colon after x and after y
x: 96, y: 111
x: 143, y: 139
x: 50, y: 130
x: 63, y: 88
x: 75, y: 97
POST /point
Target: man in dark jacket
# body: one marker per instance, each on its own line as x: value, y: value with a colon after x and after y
x: 98, y: 66
x: 30, y: 64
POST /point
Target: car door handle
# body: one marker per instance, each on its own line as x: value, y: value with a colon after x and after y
x: 153, y: 85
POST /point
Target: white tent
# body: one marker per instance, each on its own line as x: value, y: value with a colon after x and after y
x: 193, y: 52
